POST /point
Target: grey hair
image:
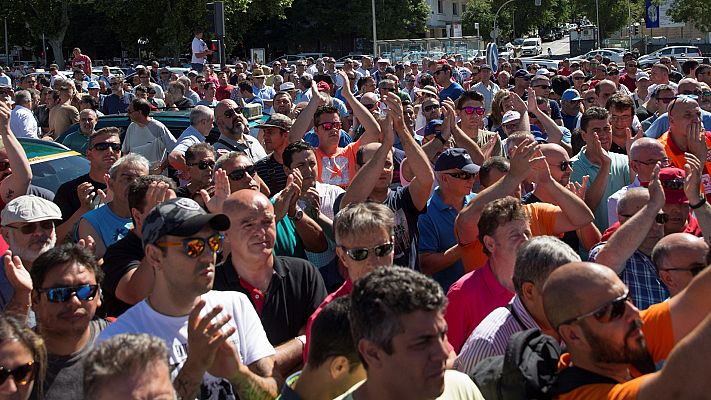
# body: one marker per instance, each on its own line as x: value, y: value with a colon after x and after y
x: 363, y: 219
x: 23, y: 97
x: 537, y: 258
x: 129, y: 159
x: 89, y: 111
x: 643, y: 143
x: 627, y: 197
x: 229, y: 156
x: 200, y: 113
x: 122, y: 355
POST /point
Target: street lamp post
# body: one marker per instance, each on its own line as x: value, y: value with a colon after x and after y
x: 375, y: 35
x: 629, y: 22
x: 496, y: 33
x: 597, y: 31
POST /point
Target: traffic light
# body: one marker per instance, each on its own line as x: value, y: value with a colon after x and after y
x: 216, y: 18
x: 214, y: 45
x: 636, y: 29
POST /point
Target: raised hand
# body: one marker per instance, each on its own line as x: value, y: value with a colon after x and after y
x: 220, y: 194
x: 521, y: 157
x: 85, y: 193
x: 540, y: 172
x: 394, y: 105
x: 346, y: 90
x: 518, y: 103
x: 106, y: 195
x: 696, y: 141
x: 656, y: 192
x: 631, y: 139
x: 17, y: 274
x: 489, y: 146
x: 88, y: 243
x: 692, y: 181
x: 580, y: 189
x: 157, y: 193
x: 205, y: 335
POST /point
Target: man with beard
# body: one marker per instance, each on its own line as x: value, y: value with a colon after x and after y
x: 276, y: 138
x: 283, y: 103
x: 606, y: 335
x: 234, y: 131
x: 28, y: 227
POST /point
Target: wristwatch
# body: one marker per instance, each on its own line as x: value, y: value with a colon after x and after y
x: 297, y: 216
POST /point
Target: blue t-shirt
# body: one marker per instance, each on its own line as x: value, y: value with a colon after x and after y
x: 570, y: 121
x: 436, y: 228
x: 452, y: 92
x: 555, y: 109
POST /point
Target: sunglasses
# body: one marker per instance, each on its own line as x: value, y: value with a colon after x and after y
x: 231, y: 112
x: 673, y: 184
x: 103, y: 146
x: 544, y: 87
x: 461, y: 175
x: 330, y: 125
x: 115, y: 83
x: 665, y: 100
x: 369, y: 106
x: 22, y: 374
x: 30, y: 228
x: 565, y: 165
x: 239, y: 173
x: 430, y: 108
x: 661, y: 218
x: 361, y: 254
x: 194, y: 247
x: 694, y: 271
x: 579, y: 78
x: 204, y: 164
x: 471, y: 110
x: 63, y: 294
x: 607, y: 313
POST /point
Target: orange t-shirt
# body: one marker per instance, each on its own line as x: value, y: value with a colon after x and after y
x: 677, y: 159
x: 542, y: 218
x: 658, y: 334
x: 338, y: 168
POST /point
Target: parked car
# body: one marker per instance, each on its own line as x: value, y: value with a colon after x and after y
x: 53, y: 163
x: 548, y: 36
x: 356, y: 57
x: 679, y: 52
x: 531, y: 47
x: 115, y: 71
x: 613, y: 54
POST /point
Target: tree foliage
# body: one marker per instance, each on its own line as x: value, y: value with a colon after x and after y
x: 518, y: 18
x: 698, y: 11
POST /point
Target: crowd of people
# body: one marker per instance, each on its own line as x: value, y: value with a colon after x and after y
x: 385, y: 232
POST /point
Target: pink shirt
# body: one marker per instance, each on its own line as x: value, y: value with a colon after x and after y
x: 471, y: 299
x: 344, y: 290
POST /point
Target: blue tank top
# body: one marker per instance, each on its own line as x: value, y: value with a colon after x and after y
x: 110, y: 226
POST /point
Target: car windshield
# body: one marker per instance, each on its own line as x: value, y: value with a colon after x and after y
x: 530, y: 42
x: 518, y: 41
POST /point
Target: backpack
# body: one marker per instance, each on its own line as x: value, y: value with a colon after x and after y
x: 529, y: 370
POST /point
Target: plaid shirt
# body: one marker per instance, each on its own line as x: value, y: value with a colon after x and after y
x: 640, y: 276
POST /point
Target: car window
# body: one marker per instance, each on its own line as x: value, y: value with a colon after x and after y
x: 50, y: 173
x: 531, y: 42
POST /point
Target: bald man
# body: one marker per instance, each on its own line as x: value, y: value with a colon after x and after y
x: 679, y: 257
x: 234, y: 131
x: 588, y: 305
x: 662, y: 124
x: 285, y: 291
x: 645, y: 153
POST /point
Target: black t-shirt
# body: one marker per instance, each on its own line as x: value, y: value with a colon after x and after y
x: 67, y: 198
x: 294, y: 292
x: 272, y: 173
x: 183, y: 191
x: 120, y: 257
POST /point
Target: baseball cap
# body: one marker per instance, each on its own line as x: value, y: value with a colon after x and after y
x: 642, y: 75
x: 29, y: 208
x: 456, y: 158
x: 93, y: 85
x: 672, y: 180
x: 485, y: 66
x: 571, y: 95
x: 287, y: 86
x: 384, y: 60
x: 277, y: 120
x: 431, y: 126
x: 429, y: 90
x: 323, y: 86
x: 522, y: 73
x: 179, y: 217
x: 510, y: 116
x: 544, y: 71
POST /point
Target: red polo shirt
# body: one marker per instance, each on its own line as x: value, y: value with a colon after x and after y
x: 344, y: 290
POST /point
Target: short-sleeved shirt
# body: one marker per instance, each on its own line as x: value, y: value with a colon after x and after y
x: 23, y: 122
x: 661, y: 124
x: 197, y: 46
x: 542, y: 218
x: 658, y: 333
x: 471, y: 299
x: 249, y: 339
x: 344, y: 290
x: 115, y: 104
x: 120, y: 258
x: 67, y: 198
x: 272, y: 173
x: 619, y: 177
x: 406, y: 235
x: 338, y: 168
x: 452, y: 92
x: 152, y: 140
x: 77, y: 141
x: 294, y: 293
x: 82, y: 61
x: 436, y: 235
x: 250, y: 146
x: 189, y: 137
x: 488, y: 92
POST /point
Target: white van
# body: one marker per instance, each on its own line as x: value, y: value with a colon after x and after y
x: 531, y: 47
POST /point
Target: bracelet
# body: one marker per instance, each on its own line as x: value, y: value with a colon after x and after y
x: 699, y: 204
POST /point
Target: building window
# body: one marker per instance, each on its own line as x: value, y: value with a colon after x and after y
x: 439, y: 7
x: 455, y: 9
x: 464, y: 8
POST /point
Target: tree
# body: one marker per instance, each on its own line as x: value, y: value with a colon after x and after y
x: 698, y: 11
x: 519, y: 18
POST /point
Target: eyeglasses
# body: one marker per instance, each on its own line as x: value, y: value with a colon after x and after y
x: 673, y: 184
x: 465, y: 176
x: 664, y: 162
x: 330, y: 125
x: 194, y: 247
x: 369, y: 106
x: 430, y: 108
x: 472, y: 110
x: 613, y: 72
x: 64, y: 294
x: 665, y: 100
x: 22, y: 374
x: 360, y: 254
x: 606, y: 313
x: 565, y: 165
x: 239, y: 173
x: 204, y: 164
x: 30, y: 228
x: 694, y: 271
x: 115, y: 83
x: 231, y: 112
x: 103, y: 146
x: 544, y: 87
x: 579, y: 78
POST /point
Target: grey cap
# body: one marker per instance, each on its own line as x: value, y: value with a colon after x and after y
x: 29, y: 208
x: 179, y: 217
x: 277, y: 120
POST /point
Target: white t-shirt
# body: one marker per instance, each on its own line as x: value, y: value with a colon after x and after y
x: 153, y: 141
x: 198, y: 46
x: 249, y: 339
x: 23, y: 122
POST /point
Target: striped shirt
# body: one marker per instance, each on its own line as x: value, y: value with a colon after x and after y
x: 492, y: 334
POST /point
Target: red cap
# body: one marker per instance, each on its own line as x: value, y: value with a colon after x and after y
x: 672, y: 180
x: 323, y: 86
